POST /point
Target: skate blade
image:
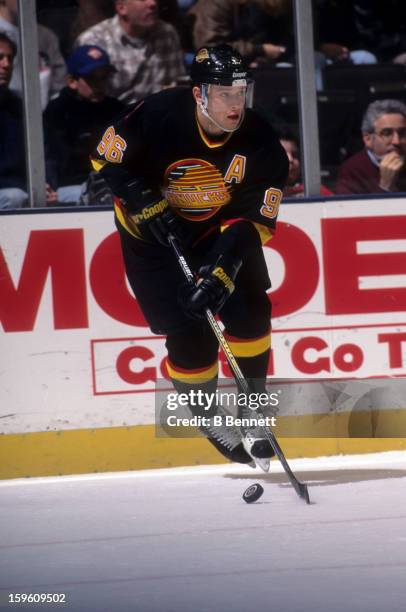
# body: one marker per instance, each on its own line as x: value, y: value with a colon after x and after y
x: 264, y: 463
x: 261, y: 462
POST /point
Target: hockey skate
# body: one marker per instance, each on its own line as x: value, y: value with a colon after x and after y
x: 227, y: 439
x: 243, y: 445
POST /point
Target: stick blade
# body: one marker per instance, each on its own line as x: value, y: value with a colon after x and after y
x: 301, y: 490
x: 304, y: 493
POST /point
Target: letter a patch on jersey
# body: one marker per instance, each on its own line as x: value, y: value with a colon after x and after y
x: 236, y: 170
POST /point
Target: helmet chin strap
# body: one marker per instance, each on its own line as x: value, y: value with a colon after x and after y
x: 224, y: 129
x: 203, y: 108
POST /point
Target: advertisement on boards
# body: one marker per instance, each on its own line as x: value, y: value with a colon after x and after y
x: 77, y: 352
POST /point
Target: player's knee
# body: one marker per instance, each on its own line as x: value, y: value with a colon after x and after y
x: 251, y: 319
x: 192, y: 346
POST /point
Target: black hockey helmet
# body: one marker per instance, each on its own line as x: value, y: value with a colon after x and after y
x: 220, y: 65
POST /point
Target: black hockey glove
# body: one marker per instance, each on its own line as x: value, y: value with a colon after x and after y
x: 157, y: 220
x: 215, y: 285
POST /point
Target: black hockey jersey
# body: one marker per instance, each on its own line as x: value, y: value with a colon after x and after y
x: 208, y: 183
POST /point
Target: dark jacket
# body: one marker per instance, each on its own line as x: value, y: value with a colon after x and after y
x: 373, y: 25
x: 244, y: 24
x: 12, y: 159
x: 72, y: 127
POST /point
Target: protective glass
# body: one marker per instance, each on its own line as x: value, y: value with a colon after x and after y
x: 223, y: 97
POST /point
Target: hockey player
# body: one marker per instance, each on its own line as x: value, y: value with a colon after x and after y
x: 200, y: 165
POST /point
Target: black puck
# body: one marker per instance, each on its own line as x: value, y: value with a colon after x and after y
x: 253, y: 493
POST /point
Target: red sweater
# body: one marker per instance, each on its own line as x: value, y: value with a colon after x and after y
x: 359, y: 175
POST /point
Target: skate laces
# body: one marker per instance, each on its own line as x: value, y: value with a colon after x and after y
x: 228, y: 435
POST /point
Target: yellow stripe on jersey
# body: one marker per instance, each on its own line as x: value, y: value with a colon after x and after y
x: 97, y: 164
x: 198, y: 375
x: 212, y: 144
x: 265, y: 233
x: 241, y: 347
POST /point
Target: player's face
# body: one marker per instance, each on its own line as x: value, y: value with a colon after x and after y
x: 139, y: 13
x: 294, y: 162
x: 226, y: 105
x: 389, y: 135
x: 92, y: 87
x: 6, y: 63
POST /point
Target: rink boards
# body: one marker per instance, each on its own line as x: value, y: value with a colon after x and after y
x: 78, y: 364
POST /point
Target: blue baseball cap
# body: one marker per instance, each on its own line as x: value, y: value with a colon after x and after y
x: 87, y: 58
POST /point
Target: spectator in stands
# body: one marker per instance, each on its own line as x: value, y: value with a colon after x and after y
x: 382, y: 26
x: 184, y: 26
x: 294, y: 187
x: 59, y: 16
x: 361, y: 31
x: 72, y: 123
x: 12, y: 168
x: 51, y: 64
x: 259, y: 29
x: 380, y: 167
x: 336, y: 33
x: 89, y: 13
x: 145, y: 51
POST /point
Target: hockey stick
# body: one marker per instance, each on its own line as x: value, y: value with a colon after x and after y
x: 300, y: 488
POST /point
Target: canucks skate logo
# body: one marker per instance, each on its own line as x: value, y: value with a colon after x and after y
x: 195, y: 188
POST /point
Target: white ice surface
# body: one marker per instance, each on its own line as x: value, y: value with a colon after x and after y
x: 184, y: 540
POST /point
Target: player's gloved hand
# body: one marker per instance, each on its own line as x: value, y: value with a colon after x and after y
x: 157, y: 220
x: 215, y: 285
